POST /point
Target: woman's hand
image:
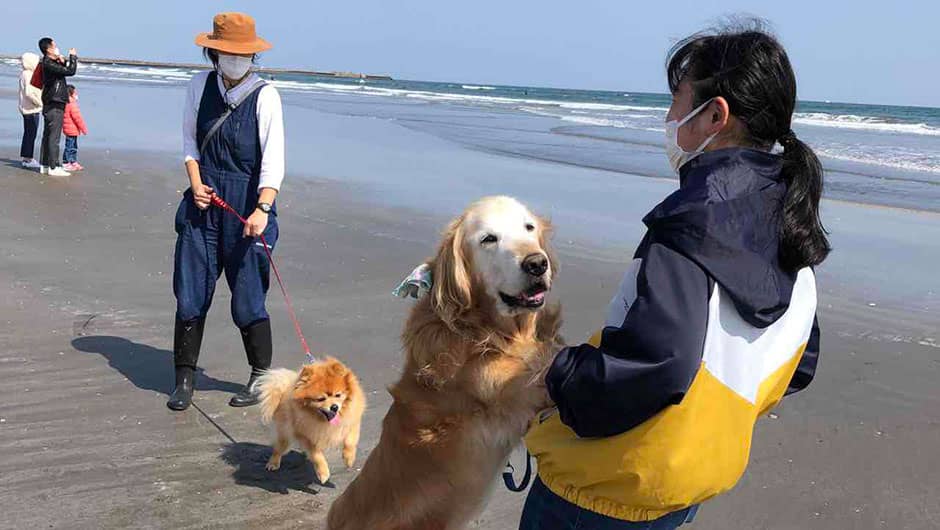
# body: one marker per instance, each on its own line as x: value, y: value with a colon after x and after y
x: 256, y: 224
x: 202, y: 195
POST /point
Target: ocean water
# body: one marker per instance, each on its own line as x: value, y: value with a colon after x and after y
x: 873, y: 154
x: 591, y: 161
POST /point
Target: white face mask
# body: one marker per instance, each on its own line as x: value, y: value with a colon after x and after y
x: 234, y: 67
x: 678, y: 156
x: 55, y: 51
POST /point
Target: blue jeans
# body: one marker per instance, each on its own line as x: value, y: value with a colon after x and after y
x: 546, y: 511
x: 70, y: 155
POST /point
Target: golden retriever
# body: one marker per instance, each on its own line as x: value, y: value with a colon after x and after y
x: 475, y: 349
x: 315, y: 409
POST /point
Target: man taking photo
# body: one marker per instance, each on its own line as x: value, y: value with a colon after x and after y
x: 55, y: 95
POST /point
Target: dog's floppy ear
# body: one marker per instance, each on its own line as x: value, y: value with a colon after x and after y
x: 450, y: 295
x: 547, y: 230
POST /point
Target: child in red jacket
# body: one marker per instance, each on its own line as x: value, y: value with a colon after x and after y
x: 72, y: 125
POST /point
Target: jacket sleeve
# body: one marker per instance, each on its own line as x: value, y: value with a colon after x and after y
x: 33, y: 94
x: 644, y: 365
x: 56, y: 68
x: 806, y: 370
x: 79, y: 119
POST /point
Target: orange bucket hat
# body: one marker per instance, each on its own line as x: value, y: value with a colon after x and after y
x: 233, y: 33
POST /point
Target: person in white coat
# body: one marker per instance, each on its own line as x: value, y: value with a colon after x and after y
x: 30, y: 103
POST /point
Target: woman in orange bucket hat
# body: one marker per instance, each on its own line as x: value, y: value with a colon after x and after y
x: 233, y: 146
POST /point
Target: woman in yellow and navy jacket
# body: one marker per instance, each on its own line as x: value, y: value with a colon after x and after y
x: 715, y: 318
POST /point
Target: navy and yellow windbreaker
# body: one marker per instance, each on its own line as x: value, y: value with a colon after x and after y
x: 706, y: 334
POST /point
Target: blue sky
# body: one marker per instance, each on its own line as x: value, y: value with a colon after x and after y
x: 842, y: 51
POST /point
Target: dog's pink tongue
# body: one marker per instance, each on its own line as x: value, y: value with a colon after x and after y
x: 335, y: 420
x: 536, y: 298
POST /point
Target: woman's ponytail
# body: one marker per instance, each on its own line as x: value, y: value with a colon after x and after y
x: 803, y: 241
x: 749, y: 68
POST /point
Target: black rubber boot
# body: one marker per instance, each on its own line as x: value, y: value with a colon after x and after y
x: 182, y: 396
x: 187, y: 339
x: 259, y: 349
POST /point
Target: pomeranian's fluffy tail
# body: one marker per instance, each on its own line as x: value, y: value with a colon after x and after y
x: 275, y: 385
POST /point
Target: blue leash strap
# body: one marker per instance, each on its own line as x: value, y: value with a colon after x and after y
x: 510, y: 480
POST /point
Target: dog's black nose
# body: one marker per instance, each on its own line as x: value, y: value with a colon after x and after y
x: 334, y: 407
x: 535, y: 264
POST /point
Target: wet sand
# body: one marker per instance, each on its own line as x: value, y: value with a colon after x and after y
x: 86, y: 306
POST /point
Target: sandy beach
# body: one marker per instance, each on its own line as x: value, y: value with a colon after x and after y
x: 86, y: 306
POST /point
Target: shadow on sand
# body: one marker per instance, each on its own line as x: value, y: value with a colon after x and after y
x: 16, y: 163
x: 248, y: 459
x: 150, y: 368
x: 147, y: 367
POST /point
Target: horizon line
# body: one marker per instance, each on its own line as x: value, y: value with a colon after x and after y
x: 386, y: 77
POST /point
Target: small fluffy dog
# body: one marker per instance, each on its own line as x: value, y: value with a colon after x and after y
x: 475, y: 351
x: 315, y: 409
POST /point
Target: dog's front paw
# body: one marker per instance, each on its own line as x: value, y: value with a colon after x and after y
x: 273, y: 464
x: 323, y: 475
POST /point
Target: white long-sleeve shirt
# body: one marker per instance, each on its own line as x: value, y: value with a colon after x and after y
x: 270, y: 125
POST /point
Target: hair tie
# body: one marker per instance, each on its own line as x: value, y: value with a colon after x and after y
x: 788, y: 139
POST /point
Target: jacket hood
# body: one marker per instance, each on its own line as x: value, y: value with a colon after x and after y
x: 726, y: 218
x: 29, y: 61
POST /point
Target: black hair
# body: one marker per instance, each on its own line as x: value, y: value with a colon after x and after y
x: 213, y: 57
x: 44, y: 44
x: 747, y: 66
x: 71, y: 89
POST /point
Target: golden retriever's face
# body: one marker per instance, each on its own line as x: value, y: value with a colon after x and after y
x: 505, y: 242
x: 324, y: 387
x: 500, y: 248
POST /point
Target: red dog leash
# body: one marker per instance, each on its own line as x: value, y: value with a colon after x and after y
x: 217, y: 201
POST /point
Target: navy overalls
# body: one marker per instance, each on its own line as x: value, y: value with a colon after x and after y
x: 210, y: 241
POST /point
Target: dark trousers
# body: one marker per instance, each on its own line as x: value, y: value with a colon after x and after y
x: 546, y: 511
x: 52, y: 115
x: 70, y: 155
x: 30, y: 127
x: 209, y: 242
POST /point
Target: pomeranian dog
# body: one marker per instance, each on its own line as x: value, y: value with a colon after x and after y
x: 315, y: 409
